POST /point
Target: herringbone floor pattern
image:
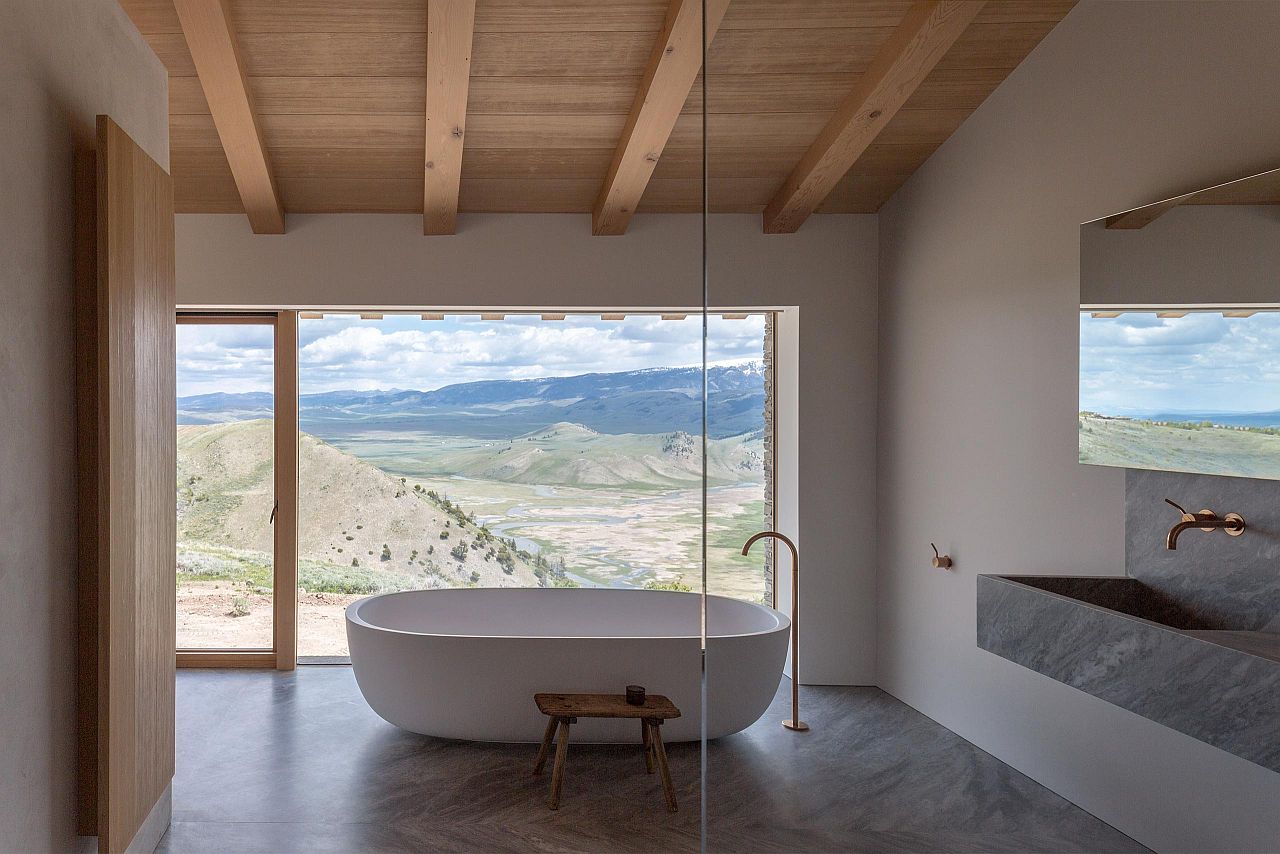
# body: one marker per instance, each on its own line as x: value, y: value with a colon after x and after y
x: 296, y: 762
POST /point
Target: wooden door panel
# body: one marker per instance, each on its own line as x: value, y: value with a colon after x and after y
x: 136, y: 462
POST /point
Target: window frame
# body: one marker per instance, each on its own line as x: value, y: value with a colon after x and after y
x: 282, y: 655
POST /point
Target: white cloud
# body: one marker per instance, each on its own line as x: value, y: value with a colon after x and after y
x: 1201, y: 362
x: 407, y: 352
x: 224, y: 357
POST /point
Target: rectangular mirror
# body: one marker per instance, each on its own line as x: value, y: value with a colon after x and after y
x: 1180, y: 333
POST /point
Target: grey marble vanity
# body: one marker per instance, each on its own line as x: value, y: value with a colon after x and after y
x: 1190, y: 639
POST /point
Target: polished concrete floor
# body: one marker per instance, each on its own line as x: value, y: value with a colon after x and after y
x: 296, y: 762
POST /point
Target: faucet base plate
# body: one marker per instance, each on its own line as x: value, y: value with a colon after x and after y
x: 1209, y: 514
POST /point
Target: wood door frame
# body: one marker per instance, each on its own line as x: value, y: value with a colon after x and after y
x: 283, y: 654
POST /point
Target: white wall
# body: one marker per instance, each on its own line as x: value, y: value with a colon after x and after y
x: 61, y: 63
x: 1122, y: 104
x: 1221, y: 254
x: 826, y: 273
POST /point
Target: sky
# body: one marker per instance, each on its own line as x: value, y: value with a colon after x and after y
x: 1139, y: 364
x: 406, y: 352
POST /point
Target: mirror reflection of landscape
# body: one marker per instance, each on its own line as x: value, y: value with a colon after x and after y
x: 455, y: 451
x: 1194, y: 391
x: 1180, y: 333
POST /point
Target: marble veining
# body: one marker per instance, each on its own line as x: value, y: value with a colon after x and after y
x: 293, y: 762
x: 1229, y: 583
x: 1221, y: 693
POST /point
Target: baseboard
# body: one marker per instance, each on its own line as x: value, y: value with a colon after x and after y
x: 148, y: 836
x: 155, y: 826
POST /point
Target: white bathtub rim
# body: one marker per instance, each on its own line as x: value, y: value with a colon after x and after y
x: 783, y: 622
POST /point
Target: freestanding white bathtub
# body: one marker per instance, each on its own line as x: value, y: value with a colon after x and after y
x: 465, y: 663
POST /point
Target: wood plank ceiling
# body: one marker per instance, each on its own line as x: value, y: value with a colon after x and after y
x: 338, y: 89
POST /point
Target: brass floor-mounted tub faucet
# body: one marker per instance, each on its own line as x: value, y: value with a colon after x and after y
x: 794, y: 722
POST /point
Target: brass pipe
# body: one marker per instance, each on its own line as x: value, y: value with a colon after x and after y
x: 794, y: 723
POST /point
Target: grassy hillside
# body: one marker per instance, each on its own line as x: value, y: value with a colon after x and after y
x: 361, y: 530
x: 566, y: 454
x: 1135, y: 443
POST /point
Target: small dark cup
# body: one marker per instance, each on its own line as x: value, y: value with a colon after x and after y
x: 635, y: 695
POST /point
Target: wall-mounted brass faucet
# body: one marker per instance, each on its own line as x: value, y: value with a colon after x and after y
x: 1205, y: 520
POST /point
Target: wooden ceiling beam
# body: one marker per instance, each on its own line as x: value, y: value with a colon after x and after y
x: 450, y: 24
x: 926, y: 33
x: 673, y: 67
x: 1263, y: 188
x: 211, y: 39
x: 1145, y: 215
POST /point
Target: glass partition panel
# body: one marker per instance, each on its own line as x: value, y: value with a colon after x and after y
x: 752, y: 144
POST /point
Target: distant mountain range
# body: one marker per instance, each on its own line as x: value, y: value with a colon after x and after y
x: 1225, y: 419
x: 655, y: 400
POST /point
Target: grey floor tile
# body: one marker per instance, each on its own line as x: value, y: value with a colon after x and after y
x: 293, y: 762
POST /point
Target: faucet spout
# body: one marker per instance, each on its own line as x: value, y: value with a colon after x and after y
x: 1206, y: 520
x: 794, y: 723
x: 772, y: 535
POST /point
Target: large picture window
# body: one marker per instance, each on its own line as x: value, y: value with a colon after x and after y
x: 455, y: 450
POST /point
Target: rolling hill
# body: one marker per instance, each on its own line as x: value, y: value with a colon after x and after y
x: 1143, y: 444
x: 361, y: 529
x: 567, y: 454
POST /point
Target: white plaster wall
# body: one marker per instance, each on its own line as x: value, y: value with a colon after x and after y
x: 62, y: 62
x: 826, y: 275
x: 1122, y: 104
x: 1221, y: 254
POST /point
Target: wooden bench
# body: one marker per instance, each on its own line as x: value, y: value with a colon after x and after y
x: 565, y: 709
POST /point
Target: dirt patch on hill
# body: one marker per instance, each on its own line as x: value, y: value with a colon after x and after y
x: 221, y: 615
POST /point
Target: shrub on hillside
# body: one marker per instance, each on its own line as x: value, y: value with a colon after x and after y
x: 318, y: 577
x: 678, y: 585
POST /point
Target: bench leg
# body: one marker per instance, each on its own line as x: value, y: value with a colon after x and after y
x: 546, y: 746
x: 647, y: 741
x: 661, y: 752
x: 557, y: 771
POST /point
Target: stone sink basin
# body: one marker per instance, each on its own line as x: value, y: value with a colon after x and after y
x: 1142, y: 649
